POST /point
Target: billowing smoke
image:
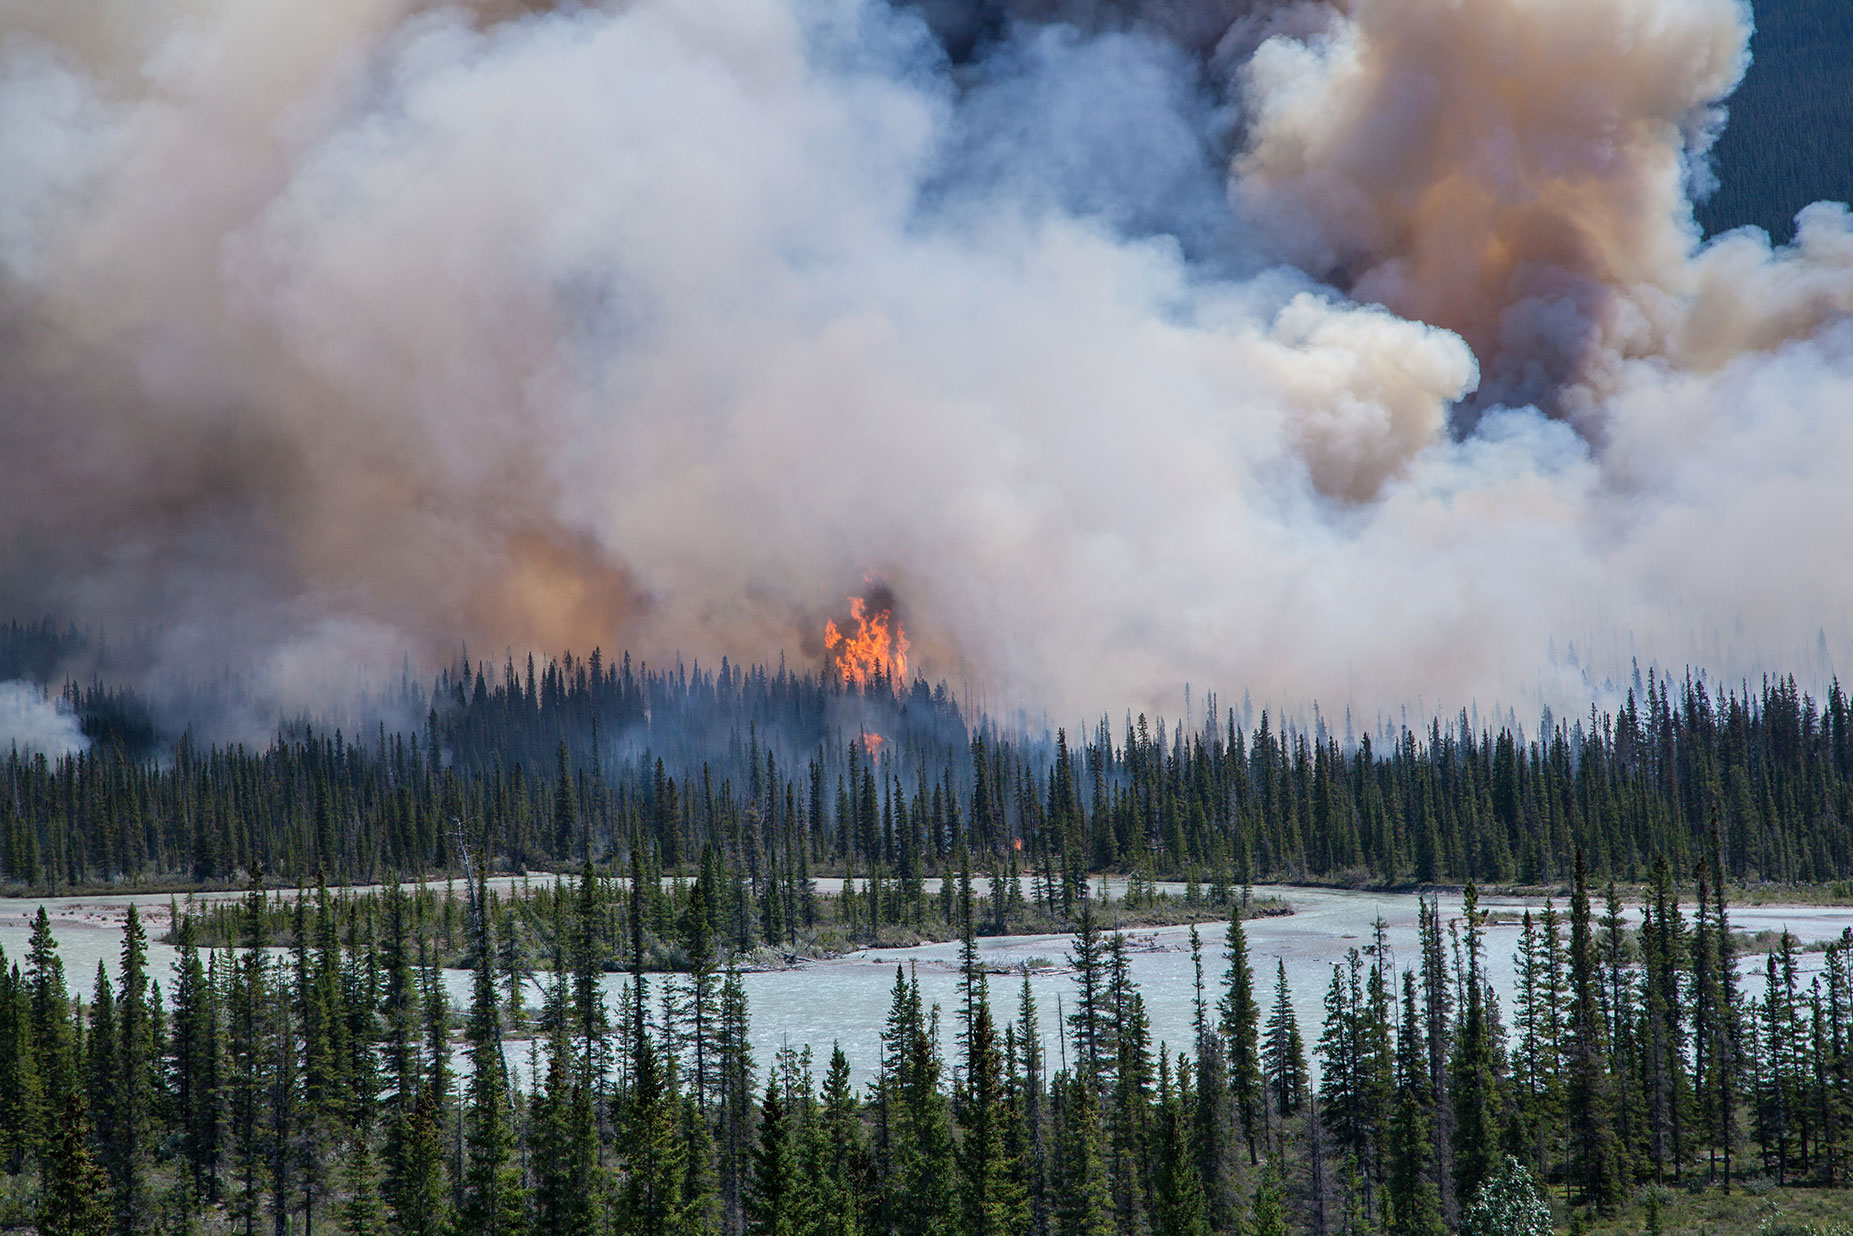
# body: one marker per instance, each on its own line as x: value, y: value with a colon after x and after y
x: 1364, y: 352
x: 32, y: 724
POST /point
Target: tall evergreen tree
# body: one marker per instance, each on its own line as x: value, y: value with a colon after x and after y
x: 1475, y: 1070
x: 1414, y: 1204
x: 1284, y: 1054
x: 493, y: 1203
x: 1083, y: 1203
x: 1594, y: 1154
x: 1240, y: 1018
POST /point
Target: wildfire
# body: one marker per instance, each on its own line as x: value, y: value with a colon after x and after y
x: 871, y: 744
x: 877, y: 648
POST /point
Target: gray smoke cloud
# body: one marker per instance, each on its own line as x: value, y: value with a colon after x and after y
x: 1362, y: 352
x: 31, y: 723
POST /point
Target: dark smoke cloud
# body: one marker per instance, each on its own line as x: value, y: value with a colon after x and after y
x: 1124, y: 344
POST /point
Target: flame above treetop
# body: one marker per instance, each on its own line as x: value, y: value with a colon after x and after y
x: 876, y: 648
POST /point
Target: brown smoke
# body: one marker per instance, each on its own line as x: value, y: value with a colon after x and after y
x: 335, y: 331
x: 1517, y: 171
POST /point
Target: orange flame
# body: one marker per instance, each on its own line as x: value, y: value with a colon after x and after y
x: 877, y: 648
x: 871, y: 743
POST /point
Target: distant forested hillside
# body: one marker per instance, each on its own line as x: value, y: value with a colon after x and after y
x: 1789, y: 141
x: 799, y: 773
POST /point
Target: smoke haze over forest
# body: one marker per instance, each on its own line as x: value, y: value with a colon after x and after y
x: 1363, y: 351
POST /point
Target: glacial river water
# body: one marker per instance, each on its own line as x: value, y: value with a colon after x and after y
x: 845, y: 1000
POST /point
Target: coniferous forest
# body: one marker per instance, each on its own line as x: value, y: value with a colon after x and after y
x: 775, y: 774
x: 1361, y: 342
x: 327, y: 1083
x: 303, y: 1068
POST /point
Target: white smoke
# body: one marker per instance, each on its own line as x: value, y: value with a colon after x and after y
x: 663, y: 324
x: 32, y: 723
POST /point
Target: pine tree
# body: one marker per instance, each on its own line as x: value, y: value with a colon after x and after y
x: 362, y: 1213
x: 1414, y: 1207
x: 1474, y: 1074
x: 1596, y: 1169
x: 1089, y: 1020
x: 196, y: 1066
x: 565, y: 806
x: 840, y: 1154
x: 134, y: 1083
x: 248, y: 1060
x: 49, y: 1028
x: 1129, y: 1115
x: 1507, y: 1204
x: 73, y: 1189
x: 19, y: 1080
x: 1267, y: 1217
x: 1284, y: 1054
x: 1439, y: 1006
x: 97, y: 1053
x: 588, y: 955
x: 1239, y: 1024
x: 1179, y: 1207
x: 654, y: 1201
x: 1663, y: 946
x: 493, y: 1204
x: 734, y: 1054
x: 992, y: 1197
x: 1210, y: 1115
x: 776, y: 1191
x: 1535, y: 1082
x: 1029, y: 1114
x: 1083, y: 1204
x: 1624, y: 1050
x: 420, y: 1197
x: 563, y: 1139
x: 1725, y: 1033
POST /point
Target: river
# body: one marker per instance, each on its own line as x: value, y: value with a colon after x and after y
x: 845, y: 1000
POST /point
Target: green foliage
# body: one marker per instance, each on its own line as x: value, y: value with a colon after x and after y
x: 1507, y: 1204
x: 306, y: 1074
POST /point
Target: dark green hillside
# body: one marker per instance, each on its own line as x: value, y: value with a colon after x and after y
x: 1789, y: 141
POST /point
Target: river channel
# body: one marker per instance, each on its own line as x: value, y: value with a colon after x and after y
x: 845, y: 1000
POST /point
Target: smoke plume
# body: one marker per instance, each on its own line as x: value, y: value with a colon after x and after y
x: 1364, y: 352
x: 32, y: 724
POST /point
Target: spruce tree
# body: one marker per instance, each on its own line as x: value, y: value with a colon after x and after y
x: 1240, y: 1018
x: 1474, y: 1073
x: 73, y: 1190
x: 1595, y: 1159
x: 653, y: 1200
x: 134, y: 1082
x: 362, y: 1213
x: 1414, y: 1204
x: 420, y: 1196
x: 196, y: 1067
x: 1179, y: 1207
x: 563, y: 1139
x: 1267, y: 1216
x: 1507, y: 1204
x: 841, y: 1154
x: 1083, y: 1203
x: 1284, y: 1054
x: 49, y: 1028
x: 493, y: 1204
x: 774, y: 1194
x: 19, y: 1080
x: 992, y: 1199
x: 1089, y: 1020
